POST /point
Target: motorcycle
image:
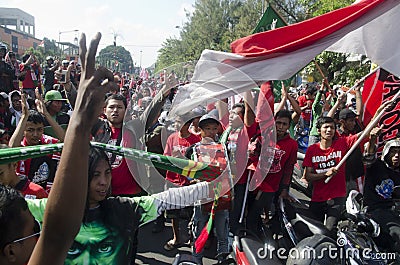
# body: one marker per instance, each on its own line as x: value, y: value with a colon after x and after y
x: 354, y: 243
x: 294, y: 237
x: 298, y: 182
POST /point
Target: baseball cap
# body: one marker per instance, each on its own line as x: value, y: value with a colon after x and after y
x: 346, y: 113
x: 207, y: 117
x: 53, y: 95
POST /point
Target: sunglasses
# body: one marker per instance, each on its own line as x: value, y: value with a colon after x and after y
x: 37, y: 229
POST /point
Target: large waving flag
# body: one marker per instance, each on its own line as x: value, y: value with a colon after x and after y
x: 367, y: 27
x: 378, y: 88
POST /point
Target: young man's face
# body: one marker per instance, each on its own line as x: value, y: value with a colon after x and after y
x: 115, y: 111
x: 16, y: 102
x: 55, y: 106
x: 349, y: 124
x: 394, y: 154
x: 33, y: 132
x: 282, y: 125
x: 209, y: 130
x: 236, y: 117
x: 327, y: 131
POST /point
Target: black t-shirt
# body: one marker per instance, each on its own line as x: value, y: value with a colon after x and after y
x: 379, y: 188
x: 354, y: 165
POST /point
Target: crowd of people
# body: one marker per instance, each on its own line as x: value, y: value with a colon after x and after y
x: 116, y: 195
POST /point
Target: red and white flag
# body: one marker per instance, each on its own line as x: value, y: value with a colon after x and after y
x: 41, y: 44
x: 378, y: 88
x: 367, y: 27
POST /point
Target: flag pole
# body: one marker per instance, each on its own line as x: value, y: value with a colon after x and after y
x: 362, y: 136
x: 245, y: 198
x: 322, y: 74
x: 362, y: 80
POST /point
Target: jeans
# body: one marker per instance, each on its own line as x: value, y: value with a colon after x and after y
x: 220, y: 224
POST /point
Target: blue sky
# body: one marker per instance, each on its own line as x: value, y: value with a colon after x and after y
x: 139, y: 25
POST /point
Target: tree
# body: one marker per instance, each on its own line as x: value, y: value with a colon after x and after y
x: 213, y: 25
x: 216, y: 23
x: 116, y: 58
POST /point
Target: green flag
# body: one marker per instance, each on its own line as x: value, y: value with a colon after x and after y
x: 271, y: 19
x: 188, y: 168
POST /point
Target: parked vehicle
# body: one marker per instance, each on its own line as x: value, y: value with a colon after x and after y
x: 354, y: 243
x: 298, y: 182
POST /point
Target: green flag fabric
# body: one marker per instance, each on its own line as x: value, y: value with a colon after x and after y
x: 188, y: 168
x: 269, y: 21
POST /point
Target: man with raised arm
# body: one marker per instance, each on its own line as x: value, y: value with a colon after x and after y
x: 19, y: 230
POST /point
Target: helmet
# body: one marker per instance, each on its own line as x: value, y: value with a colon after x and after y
x: 65, y: 62
x: 49, y: 58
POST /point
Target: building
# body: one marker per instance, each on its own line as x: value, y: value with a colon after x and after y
x: 17, y: 30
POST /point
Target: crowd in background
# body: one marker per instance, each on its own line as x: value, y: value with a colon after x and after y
x: 38, y: 98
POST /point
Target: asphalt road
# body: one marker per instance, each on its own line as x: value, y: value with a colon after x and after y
x: 151, y: 251
x: 151, y: 247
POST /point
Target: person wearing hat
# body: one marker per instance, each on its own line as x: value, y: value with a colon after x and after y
x: 381, y: 190
x: 208, y: 150
x: 54, y: 101
x: 48, y: 69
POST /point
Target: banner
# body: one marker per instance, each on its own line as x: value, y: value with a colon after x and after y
x: 184, y: 167
x: 379, y: 88
x: 365, y: 27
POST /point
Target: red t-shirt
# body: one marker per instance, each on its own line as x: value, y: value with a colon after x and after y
x: 305, y: 114
x: 25, y: 165
x: 33, y: 191
x: 175, y: 141
x: 239, y: 140
x: 282, y: 166
x: 321, y: 160
x: 30, y: 76
x: 122, y: 182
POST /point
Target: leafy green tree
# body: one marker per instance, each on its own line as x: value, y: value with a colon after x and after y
x: 216, y: 23
x: 213, y: 25
x: 116, y: 58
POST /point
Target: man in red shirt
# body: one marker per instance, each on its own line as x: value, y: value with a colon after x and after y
x: 280, y: 172
x: 176, y: 146
x: 320, y: 161
x: 30, y: 72
x: 29, y: 132
x: 123, y: 182
x: 305, y: 102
